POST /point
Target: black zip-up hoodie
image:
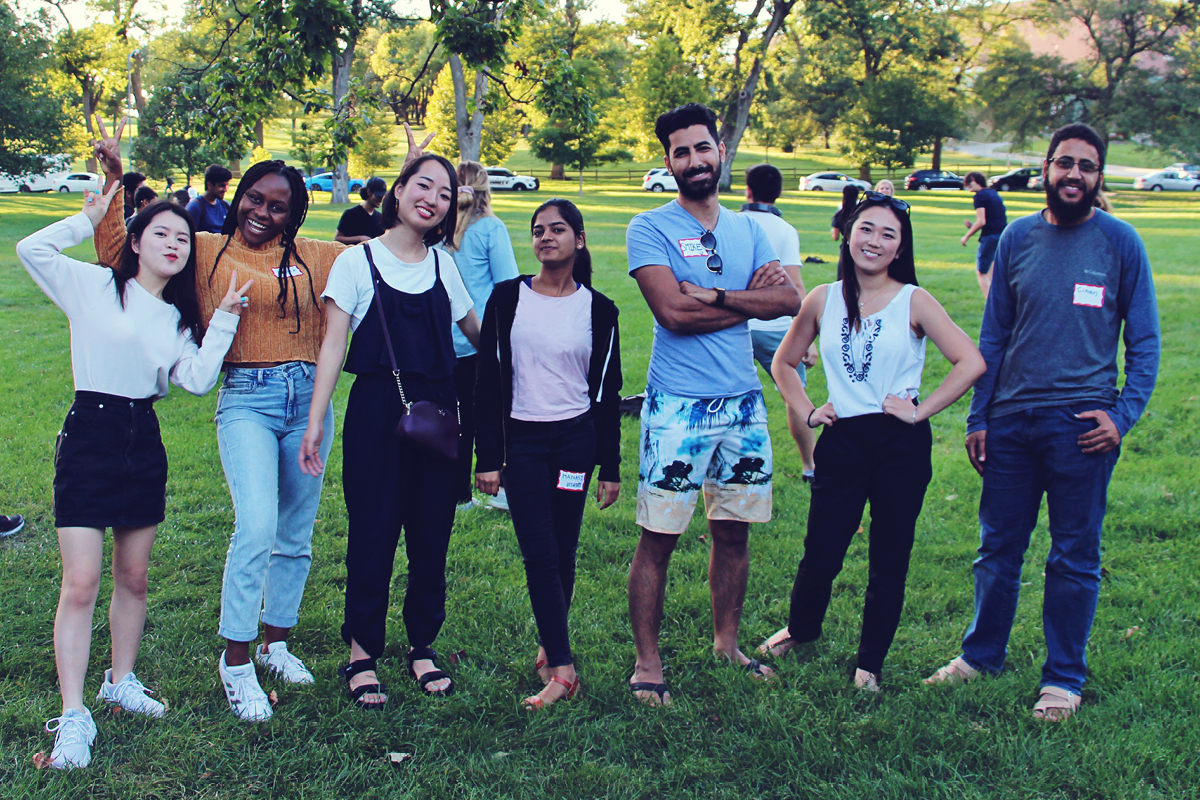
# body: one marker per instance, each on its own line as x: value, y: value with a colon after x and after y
x: 493, y: 382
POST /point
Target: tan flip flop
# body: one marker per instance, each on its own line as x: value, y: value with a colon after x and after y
x: 956, y: 672
x: 1056, y: 704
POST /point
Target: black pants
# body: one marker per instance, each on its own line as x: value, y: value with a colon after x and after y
x: 877, y: 458
x: 390, y: 485
x: 542, y: 458
x: 464, y: 387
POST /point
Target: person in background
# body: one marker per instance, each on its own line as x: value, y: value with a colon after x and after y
x: 180, y: 197
x: 483, y: 252
x: 135, y: 329
x: 849, y: 200
x: 143, y: 197
x: 877, y: 442
x: 886, y: 188
x: 549, y: 411
x: 990, y: 219
x: 11, y: 524
x: 209, y: 209
x: 764, y: 184
x: 363, y: 222
x: 170, y: 184
x: 1072, y: 284
x: 131, y: 182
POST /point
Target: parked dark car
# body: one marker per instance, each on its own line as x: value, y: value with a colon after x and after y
x: 1017, y: 179
x: 925, y: 179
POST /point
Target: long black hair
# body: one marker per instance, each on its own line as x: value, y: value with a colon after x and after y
x: 180, y: 290
x: 297, y: 212
x: 582, y: 271
x: 903, y: 268
x: 444, y: 230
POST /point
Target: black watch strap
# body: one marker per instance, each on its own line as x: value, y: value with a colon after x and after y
x: 720, y: 298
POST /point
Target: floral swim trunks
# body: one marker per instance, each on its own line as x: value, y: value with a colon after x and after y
x: 721, y: 445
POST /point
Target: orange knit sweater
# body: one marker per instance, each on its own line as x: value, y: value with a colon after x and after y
x: 266, y: 333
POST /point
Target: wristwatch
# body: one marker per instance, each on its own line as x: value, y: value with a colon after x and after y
x: 720, y: 301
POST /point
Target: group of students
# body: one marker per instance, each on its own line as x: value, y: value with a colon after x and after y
x: 535, y: 383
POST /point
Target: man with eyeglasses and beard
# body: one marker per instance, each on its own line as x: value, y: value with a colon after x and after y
x: 704, y: 272
x: 1070, y: 282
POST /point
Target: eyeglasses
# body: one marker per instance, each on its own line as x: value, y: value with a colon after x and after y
x: 1066, y: 163
x: 709, y: 242
x: 871, y: 196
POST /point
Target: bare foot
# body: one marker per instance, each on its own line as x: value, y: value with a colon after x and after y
x: 760, y: 672
x: 659, y: 695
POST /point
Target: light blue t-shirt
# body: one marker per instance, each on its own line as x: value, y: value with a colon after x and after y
x: 705, y: 365
x: 485, y: 258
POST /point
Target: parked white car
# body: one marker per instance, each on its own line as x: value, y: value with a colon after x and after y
x: 501, y: 178
x: 830, y: 182
x: 659, y: 180
x: 26, y: 183
x: 1168, y: 179
x: 75, y: 181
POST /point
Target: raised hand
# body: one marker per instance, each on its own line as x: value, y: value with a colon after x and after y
x: 108, y: 148
x: 415, y: 151
x: 95, y: 204
x: 235, y: 299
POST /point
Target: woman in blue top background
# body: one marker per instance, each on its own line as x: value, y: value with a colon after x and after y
x: 484, y: 254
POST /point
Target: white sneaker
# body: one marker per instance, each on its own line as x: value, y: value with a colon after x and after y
x: 500, y: 501
x: 467, y: 505
x: 289, y: 668
x: 130, y: 695
x: 246, y: 698
x: 74, y: 733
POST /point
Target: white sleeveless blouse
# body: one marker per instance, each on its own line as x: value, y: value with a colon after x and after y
x: 882, y: 357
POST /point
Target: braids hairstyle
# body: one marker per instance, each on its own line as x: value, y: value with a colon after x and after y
x: 298, y: 211
x: 444, y: 230
x: 902, y: 269
x: 474, y: 204
x: 180, y: 290
x: 582, y: 271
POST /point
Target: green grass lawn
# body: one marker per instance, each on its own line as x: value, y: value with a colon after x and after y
x: 805, y: 735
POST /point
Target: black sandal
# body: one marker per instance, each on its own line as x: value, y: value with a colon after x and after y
x: 660, y: 689
x: 354, y: 668
x: 421, y: 654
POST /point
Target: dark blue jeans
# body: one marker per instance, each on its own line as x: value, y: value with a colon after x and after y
x: 547, y: 517
x: 1029, y: 454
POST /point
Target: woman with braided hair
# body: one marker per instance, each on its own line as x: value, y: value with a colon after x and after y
x: 262, y: 411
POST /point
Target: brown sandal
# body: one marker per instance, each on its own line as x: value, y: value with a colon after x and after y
x: 537, y: 703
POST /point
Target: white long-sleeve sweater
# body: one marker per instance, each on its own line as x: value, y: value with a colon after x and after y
x: 132, y: 351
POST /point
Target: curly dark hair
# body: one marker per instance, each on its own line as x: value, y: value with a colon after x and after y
x: 297, y: 212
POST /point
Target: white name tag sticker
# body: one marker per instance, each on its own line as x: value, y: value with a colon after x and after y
x: 1088, y: 295
x: 292, y: 271
x: 571, y: 481
x: 691, y: 248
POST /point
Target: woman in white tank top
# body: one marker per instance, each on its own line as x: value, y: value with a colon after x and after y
x: 876, y: 444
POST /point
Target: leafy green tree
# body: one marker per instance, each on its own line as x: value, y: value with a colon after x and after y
x: 33, y: 122
x: 660, y: 78
x: 499, y: 119
x: 1026, y: 94
x: 172, y: 135
x: 896, y: 117
x: 91, y: 58
x: 407, y: 62
x: 373, y: 153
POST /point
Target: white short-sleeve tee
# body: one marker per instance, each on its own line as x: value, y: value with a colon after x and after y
x: 350, y: 286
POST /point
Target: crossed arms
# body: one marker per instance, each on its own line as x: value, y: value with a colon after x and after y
x: 683, y: 307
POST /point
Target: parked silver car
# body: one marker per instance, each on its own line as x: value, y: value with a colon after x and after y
x: 830, y: 182
x: 1167, y: 179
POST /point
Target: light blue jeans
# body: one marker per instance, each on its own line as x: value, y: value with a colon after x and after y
x: 261, y: 418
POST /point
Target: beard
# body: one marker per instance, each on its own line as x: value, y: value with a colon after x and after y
x: 704, y: 189
x: 1066, y: 213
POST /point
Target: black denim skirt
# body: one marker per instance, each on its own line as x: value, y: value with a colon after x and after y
x: 110, y: 467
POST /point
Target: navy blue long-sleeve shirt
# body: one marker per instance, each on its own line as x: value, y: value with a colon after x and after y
x: 1061, y: 300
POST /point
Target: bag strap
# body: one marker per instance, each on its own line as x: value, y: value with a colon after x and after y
x: 376, y: 278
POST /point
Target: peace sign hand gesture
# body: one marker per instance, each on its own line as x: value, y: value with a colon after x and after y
x: 108, y: 148
x: 235, y: 299
x: 415, y: 151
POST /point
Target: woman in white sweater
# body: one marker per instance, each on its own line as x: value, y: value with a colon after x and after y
x: 134, y: 328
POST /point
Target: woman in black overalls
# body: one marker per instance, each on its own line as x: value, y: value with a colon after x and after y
x: 390, y: 484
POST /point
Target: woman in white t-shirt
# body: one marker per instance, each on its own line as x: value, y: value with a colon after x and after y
x: 134, y: 327
x: 877, y: 443
x: 392, y: 484
x: 547, y: 405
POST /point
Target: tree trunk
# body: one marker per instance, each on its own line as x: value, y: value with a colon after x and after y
x: 468, y: 123
x: 341, y: 85
x: 826, y: 132
x: 937, y: 155
x: 89, y: 108
x: 135, y: 86
x: 258, y: 133
x: 558, y: 172
x: 235, y: 166
x: 864, y: 173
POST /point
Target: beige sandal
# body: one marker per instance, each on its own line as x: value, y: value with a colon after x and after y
x: 779, y: 644
x: 1056, y: 704
x: 956, y: 672
x: 867, y: 681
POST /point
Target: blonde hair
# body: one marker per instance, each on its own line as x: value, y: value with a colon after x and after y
x: 890, y: 185
x: 474, y: 204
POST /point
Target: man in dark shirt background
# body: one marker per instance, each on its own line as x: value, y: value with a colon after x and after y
x: 210, y: 209
x: 363, y: 222
x: 990, y: 219
x: 131, y: 182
